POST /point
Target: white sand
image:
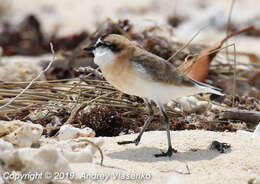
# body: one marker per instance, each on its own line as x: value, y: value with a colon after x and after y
x: 206, y: 166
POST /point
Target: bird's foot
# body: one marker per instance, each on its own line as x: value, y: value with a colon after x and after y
x: 165, y: 154
x: 136, y: 142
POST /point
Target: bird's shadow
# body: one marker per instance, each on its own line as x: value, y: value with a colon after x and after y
x: 146, y: 154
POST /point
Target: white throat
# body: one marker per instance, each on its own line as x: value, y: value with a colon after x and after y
x: 103, y: 56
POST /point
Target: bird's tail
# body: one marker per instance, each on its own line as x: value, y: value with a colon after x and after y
x: 208, y: 88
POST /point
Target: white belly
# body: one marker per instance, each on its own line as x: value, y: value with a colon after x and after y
x: 161, y: 92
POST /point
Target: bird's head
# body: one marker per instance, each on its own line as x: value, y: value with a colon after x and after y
x: 111, y: 47
x: 113, y: 42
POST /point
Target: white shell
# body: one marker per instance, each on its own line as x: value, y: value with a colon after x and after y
x: 85, y: 154
x: 192, y: 104
x: 69, y: 132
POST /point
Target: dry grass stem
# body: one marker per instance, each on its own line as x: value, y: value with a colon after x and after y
x: 36, y: 78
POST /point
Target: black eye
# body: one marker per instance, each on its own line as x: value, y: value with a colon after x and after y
x: 113, y: 47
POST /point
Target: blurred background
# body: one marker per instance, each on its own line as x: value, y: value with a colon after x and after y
x: 67, y: 16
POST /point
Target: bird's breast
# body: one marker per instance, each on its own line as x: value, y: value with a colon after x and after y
x: 120, y: 75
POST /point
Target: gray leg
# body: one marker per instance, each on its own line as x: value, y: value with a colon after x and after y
x: 166, y: 121
x: 146, y: 124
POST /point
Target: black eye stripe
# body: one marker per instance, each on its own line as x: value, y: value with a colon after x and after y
x: 100, y: 42
x: 113, y: 47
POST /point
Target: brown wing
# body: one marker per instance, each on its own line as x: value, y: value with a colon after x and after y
x: 160, y: 70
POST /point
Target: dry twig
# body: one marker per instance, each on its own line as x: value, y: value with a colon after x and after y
x: 243, y: 115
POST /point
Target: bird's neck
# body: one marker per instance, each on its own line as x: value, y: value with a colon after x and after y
x: 103, y: 57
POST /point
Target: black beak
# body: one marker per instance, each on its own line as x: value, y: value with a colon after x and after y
x: 90, y: 48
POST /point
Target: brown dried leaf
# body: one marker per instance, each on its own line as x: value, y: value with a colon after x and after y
x: 198, y: 67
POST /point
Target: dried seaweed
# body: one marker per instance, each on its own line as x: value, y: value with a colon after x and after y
x: 105, y: 121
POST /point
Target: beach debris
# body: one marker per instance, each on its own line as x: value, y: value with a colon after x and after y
x: 53, y: 157
x: 46, y: 159
x: 256, y: 134
x: 242, y: 103
x: 221, y: 147
x: 247, y: 116
x: 192, y: 104
x: 105, y: 121
x: 83, y: 150
x: 19, y: 133
x: 69, y: 132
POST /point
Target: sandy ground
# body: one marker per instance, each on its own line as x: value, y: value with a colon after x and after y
x: 237, y: 166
